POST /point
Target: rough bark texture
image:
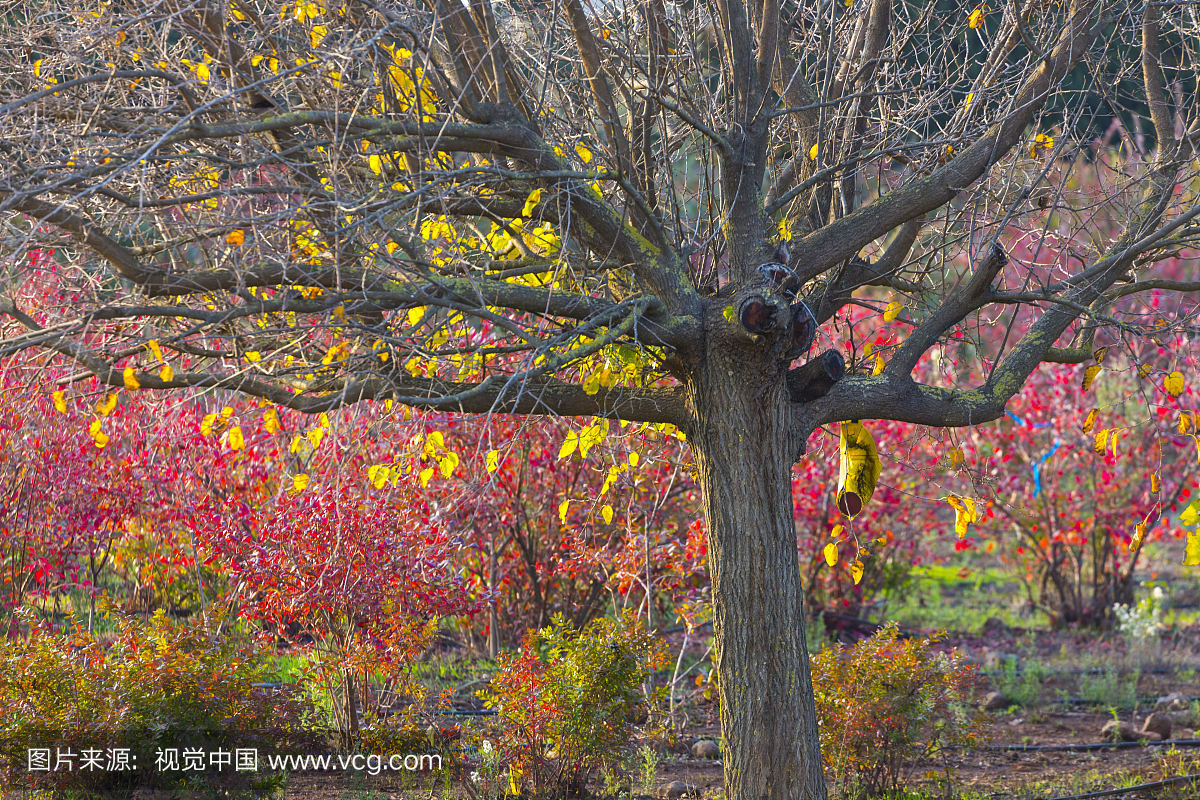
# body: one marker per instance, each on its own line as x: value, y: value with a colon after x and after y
x: 149, y: 171
x: 739, y: 442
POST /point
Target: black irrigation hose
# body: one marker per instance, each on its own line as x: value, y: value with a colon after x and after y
x: 1083, y: 701
x: 1140, y: 787
x: 1093, y: 671
x: 1029, y: 748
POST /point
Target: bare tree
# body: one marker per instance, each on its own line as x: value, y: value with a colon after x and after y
x: 578, y: 209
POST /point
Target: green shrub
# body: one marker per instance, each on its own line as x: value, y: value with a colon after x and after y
x: 567, y: 702
x: 158, y: 687
x: 885, y: 704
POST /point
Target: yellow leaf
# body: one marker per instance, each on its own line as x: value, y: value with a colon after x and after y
x: 607, y: 513
x: 837, y: 530
x: 976, y: 18
x: 202, y: 72
x: 107, y: 406
x: 493, y: 460
x: 613, y: 474
x: 1043, y: 143
x: 867, y: 348
x: 729, y: 314
x: 1089, y: 375
x: 60, y: 401
x: 1191, y: 551
x: 98, y: 435
x: 236, y: 238
x: 860, y: 468
x: 1139, y: 533
x: 812, y: 152
x: 1175, y: 384
x: 253, y: 356
x: 1155, y: 483
x: 878, y: 368
x: 591, y: 435
x: 166, y: 373
x: 130, y: 378
x: 563, y: 508
x: 415, y: 315
x: 531, y: 202
x: 317, y: 35
x: 856, y: 570
x: 299, y: 482
x: 1090, y: 422
x: 236, y: 440
x: 585, y: 155
x: 784, y: 232
x: 375, y: 162
x: 315, y: 436
x: 964, y: 513
x: 1185, y: 421
x: 1100, y: 443
x: 378, y: 475
x: 633, y: 459
x: 1144, y: 370
x: 426, y: 475
x: 892, y: 310
x: 831, y: 554
x: 448, y: 463
x: 1100, y: 353
x: 271, y: 421
x: 155, y: 349
x: 1112, y: 443
x: 37, y: 68
x: 1191, y: 514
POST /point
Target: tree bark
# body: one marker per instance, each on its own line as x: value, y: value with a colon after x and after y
x: 740, y: 445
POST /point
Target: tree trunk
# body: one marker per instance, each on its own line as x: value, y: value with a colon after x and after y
x: 741, y: 448
x: 350, y: 736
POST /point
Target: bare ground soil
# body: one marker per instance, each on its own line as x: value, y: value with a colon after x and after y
x: 980, y: 774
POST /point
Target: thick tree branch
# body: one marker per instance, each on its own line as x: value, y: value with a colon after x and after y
x: 953, y: 309
x: 840, y: 240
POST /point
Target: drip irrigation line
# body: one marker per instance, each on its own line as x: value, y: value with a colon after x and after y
x: 1031, y: 748
x: 1093, y: 671
x: 1139, y: 788
x: 1083, y: 701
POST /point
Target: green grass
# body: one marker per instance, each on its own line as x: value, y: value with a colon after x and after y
x: 1110, y: 688
x: 940, y: 597
x: 1022, y: 687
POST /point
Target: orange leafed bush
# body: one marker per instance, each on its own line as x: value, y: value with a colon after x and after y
x: 885, y: 704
